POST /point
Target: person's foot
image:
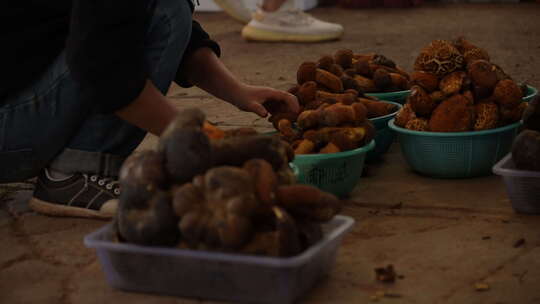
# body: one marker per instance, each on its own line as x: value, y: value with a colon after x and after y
x: 80, y: 195
x: 235, y: 9
x: 290, y: 25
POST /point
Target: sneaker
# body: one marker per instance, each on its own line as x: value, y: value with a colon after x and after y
x: 290, y: 25
x: 235, y: 9
x: 80, y: 195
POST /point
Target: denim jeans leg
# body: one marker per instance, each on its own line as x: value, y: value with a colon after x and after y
x: 38, y: 122
x: 104, y: 141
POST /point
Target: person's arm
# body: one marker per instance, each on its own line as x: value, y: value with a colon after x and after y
x: 150, y: 111
x: 153, y: 112
x: 204, y: 69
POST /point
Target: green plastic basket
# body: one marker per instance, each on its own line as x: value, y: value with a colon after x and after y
x: 455, y: 154
x: 531, y: 92
x: 337, y: 173
x: 384, y: 136
x: 399, y: 96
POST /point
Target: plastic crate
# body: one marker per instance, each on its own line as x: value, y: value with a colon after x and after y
x: 337, y: 173
x: 213, y: 275
x: 455, y: 154
x: 399, y: 96
x: 384, y: 136
x: 523, y: 187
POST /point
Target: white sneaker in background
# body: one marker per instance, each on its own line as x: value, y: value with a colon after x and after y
x: 290, y: 25
x: 235, y: 9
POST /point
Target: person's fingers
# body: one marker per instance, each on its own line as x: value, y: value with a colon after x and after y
x: 257, y: 108
x: 290, y: 100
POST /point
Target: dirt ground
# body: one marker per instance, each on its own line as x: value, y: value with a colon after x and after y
x: 443, y: 236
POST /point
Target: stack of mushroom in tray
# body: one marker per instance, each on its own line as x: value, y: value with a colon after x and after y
x: 229, y: 191
x: 334, y: 110
x: 456, y: 88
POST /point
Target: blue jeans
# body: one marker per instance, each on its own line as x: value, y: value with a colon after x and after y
x: 49, y: 125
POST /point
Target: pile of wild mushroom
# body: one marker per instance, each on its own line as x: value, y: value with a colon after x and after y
x: 208, y: 189
x: 334, y: 110
x: 455, y: 88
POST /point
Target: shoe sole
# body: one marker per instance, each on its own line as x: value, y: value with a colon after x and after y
x: 66, y: 211
x: 232, y: 12
x: 254, y: 34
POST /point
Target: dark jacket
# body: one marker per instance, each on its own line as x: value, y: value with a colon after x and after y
x: 103, y: 40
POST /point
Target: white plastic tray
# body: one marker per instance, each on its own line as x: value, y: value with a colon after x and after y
x: 212, y: 275
x: 523, y: 187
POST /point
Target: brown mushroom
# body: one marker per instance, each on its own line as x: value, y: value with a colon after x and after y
x: 325, y: 62
x: 455, y: 114
x: 306, y: 92
x: 483, y: 74
x: 185, y: 147
x: 418, y: 124
x: 344, y: 58
x: 308, y: 202
x: 428, y: 81
x: 420, y: 101
x: 329, y: 80
x: 217, y: 208
x: 452, y: 83
x: 306, y: 72
x: 487, y: 116
x: 507, y: 93
x: 404, y: 115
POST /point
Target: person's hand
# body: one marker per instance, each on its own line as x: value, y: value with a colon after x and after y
x: 253, y: 98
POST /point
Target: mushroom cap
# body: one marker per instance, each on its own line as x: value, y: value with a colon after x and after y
x: 141, y: 175
x: 526, y: 150
x: 475, y: 54
x: 383, y: 60
x: 306, y: 72
x: 308, y: 202
x: 362, y: 67
x: 144, y: 168
x: 440, y: 57
x: 344, y: 58
x: 487, y: 116
x: 152, y: 224
x: 382, y: 79
x: 399, y: 82
x: 306, y: 92
x: 511, y: 115
x: 483, y: 74
x: 455, y: 114
x: 507, y: 93
x: 336, y: 69
x: 404, y: 115
x: 418, y: 124
x: 452, y: 83
x: 187, y: 153
x: 325, y: 62
x: 420, y: 101
x: 470, y: 52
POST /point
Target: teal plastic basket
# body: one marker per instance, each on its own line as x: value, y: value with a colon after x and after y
x: 455, y: 154
x: 384, y: 136
x: 399, y: 96
x: 337, y: 173
x: 531, y: 92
